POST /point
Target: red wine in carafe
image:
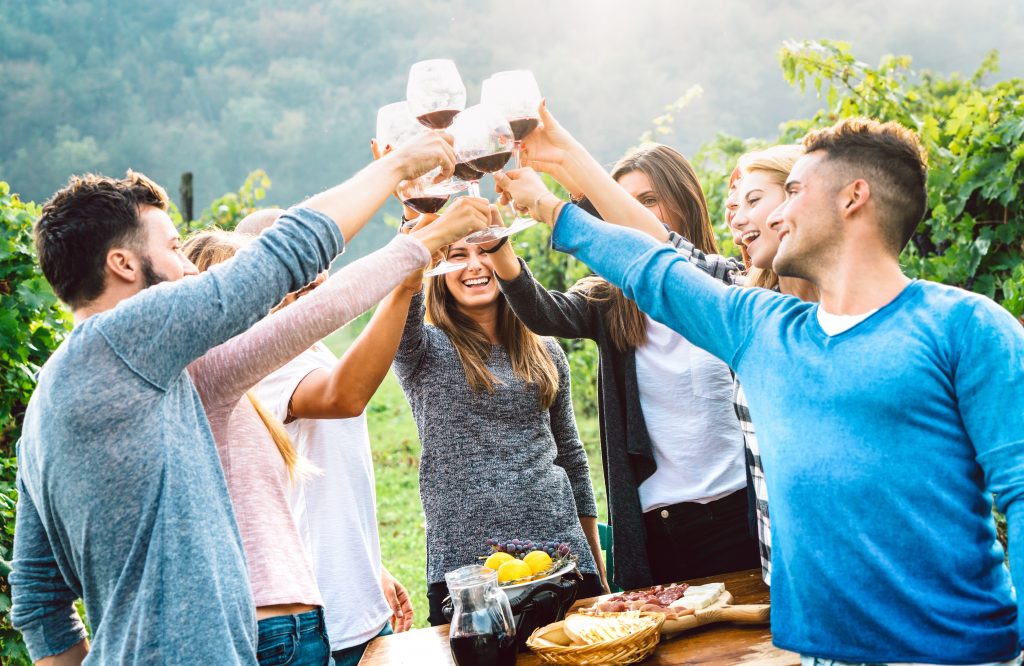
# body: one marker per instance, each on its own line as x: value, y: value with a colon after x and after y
x: 438, y: 119
x: 497, y: 649
x: 491, y: 163
x: 426, y: 204
x: 521, y: 127
x: 464, y: 171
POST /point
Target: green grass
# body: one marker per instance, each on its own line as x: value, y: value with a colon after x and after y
x: 396, y: 455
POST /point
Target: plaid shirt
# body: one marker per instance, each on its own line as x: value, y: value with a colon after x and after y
x: 730, y: 271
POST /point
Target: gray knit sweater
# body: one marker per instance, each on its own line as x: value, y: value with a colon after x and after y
x: 492, y: 465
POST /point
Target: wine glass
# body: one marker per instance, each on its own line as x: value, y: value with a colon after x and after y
x: 515, y: 94
x: 435, y: 92
x: 396, y: 125
x: 483, y: 144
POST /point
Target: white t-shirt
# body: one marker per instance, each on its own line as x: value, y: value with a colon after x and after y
x: 335, y: 510
x: 686, y: 397
x: 834, y: 324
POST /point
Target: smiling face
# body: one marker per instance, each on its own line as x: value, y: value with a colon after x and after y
x: 475, y: 286
x: 758, y: 195
x: 640, y: 188
x: 809, y: 225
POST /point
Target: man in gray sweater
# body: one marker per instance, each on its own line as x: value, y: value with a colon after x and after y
x: 122, y: 501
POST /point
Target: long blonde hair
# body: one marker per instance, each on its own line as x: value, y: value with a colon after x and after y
x: 209, y: 248
x: 528, y: 352
x: 677, y: 187
x: 776, y: 162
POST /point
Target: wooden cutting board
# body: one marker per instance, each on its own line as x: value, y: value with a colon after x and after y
x: 722, y: 610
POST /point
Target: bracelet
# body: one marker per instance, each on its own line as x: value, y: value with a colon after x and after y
x: 497, y: 247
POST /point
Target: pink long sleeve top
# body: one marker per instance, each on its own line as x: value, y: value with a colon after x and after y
x: 279, y: 568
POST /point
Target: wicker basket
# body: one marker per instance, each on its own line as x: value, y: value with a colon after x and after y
x: 626, y: 650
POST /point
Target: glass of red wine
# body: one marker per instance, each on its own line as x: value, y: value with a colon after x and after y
x: 436, y: 95
x: 397, y: 125
x: 516, y: 95
x: 483, y: 144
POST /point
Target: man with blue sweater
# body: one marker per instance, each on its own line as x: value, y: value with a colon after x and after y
x: 121, y: 497
x: 889, y: 414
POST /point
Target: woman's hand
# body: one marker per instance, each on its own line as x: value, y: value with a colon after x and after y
x: 528, y: 193
x: 424, y: 153
x: 398, y: 598
x: 464, y: 216
x: 378, y: 152
x: 549, y: 149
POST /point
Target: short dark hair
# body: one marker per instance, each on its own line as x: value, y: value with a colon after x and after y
x: 82, y: 222
x: 891, y: 158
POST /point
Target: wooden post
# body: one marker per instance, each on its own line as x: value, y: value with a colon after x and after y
x: 185, y: 190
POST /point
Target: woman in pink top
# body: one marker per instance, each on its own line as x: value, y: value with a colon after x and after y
x: 288, y: 603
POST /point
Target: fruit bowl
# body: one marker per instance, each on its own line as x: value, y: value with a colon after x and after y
x: 517, y: 589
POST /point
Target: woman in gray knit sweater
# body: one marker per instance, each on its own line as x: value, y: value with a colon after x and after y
x: 501, y: 455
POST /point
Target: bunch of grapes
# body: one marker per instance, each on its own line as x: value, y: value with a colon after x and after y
x: 518, y: 548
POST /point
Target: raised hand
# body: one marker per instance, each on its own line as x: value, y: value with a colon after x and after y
x: 549, y: 148
x: 524, y: 188
x: 464, y: 216
x: 423, y: 154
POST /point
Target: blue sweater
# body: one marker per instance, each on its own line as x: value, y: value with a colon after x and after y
x: 881, y: 446
x: 121, y: 497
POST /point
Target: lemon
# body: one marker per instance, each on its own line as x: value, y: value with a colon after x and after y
x: 497, y: 559
x: 513, y: 570
x: 538, y: 561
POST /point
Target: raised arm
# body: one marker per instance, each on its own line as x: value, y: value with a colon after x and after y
x: 226, y: 372
x: 43, y: 603
x: 550, y: 148
x: 563, y: 315
x: 345, y: 390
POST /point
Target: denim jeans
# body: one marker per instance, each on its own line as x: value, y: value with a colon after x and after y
x: 814, y: 661
x: 350, y: 656
x: 294, y: 640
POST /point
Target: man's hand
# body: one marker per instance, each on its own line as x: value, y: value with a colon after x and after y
x: 398, y: 599
x: 423, y: 154
x: 463, y: 217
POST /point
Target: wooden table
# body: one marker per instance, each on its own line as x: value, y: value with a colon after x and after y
x: 714, y: 644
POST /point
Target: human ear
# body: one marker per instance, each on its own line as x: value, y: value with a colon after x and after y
x: 855, y: 196
x: 123, y: 264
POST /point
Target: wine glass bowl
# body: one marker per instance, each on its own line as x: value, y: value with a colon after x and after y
x: 435, y: 93
x: 515, y: 94
x: 483, y: 141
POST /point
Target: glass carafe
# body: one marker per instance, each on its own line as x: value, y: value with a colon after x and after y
x: 483, y: 631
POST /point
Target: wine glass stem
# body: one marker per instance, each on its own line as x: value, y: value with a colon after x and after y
x: 516, y: 147
x: 474, y: 189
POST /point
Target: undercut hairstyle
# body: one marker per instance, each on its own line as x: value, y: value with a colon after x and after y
x: 891, y: 159
x: 86, y: 219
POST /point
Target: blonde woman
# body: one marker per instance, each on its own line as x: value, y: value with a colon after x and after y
x: 258, y: 459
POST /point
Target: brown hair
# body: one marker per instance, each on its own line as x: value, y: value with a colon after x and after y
x: 891, y: 158
x: 83, y: 221
x: 677, y: 187
x: 209, y: 248
x: 776, y: 162
x: 528, y: 352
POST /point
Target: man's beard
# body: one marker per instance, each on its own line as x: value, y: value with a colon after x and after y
x: 149, y: 275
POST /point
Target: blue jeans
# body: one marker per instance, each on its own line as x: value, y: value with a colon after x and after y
x: 350, y: 656
x: 294, y: 640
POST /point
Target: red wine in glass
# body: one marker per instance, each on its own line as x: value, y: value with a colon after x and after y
x: 490, y: 163
x: 463, y: 171
x: 438, y: 120
x: 426, y: 204
x: 521, y: 127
